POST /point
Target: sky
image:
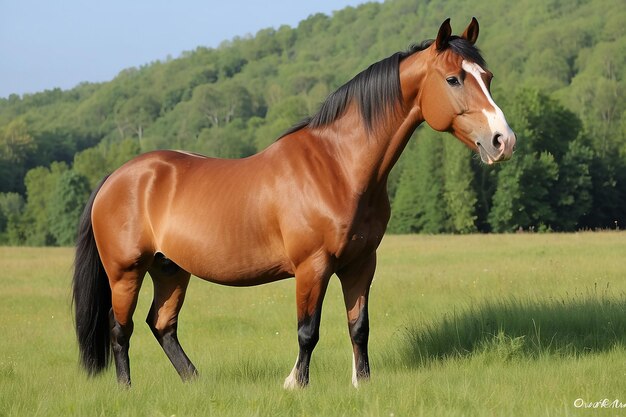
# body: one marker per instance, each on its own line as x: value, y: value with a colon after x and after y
x: 47, y: 44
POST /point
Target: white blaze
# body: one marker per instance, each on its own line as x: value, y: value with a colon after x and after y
x: 495, y: 117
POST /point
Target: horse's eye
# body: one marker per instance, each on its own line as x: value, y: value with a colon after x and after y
x: 453, y: 81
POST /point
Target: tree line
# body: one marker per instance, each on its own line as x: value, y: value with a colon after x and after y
x: 559, y: 78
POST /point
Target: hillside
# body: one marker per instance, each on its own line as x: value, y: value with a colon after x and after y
x: 559, y: 76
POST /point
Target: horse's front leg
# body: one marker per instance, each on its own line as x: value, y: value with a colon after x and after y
x: 355, y: 283
x: 312, y: 278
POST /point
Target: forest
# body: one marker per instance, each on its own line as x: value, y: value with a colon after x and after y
x: 560, y: 72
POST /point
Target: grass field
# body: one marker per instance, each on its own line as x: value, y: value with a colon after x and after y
x: 482, y: 325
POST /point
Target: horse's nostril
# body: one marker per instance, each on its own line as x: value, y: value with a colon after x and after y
x: 496, y: 142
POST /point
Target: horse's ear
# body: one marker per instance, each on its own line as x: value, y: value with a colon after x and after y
x: 471, y: 32
x: 444, y: 35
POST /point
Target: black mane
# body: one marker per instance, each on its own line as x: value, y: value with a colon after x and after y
x: 376, y: 90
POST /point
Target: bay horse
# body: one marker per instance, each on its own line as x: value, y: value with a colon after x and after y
x: 311, y: 205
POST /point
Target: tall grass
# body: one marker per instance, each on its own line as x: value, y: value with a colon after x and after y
x: 569, y: 326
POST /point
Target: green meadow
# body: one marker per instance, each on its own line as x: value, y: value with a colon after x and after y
x: 478, y: 325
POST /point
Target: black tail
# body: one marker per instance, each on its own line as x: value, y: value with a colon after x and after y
x: 91, y: 297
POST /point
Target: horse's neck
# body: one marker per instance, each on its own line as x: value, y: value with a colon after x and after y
x: 367, y: 157
x: 395, y: 142
x: 384, y: 145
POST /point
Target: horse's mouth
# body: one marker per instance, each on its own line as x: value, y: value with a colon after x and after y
x: 485, y: 156
x: 489, y: 159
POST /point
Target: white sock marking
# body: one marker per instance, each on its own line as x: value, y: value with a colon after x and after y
x: 291, y: 382
x: 355, y: 380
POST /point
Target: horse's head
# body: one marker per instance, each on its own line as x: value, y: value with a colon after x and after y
x: 455, y: 95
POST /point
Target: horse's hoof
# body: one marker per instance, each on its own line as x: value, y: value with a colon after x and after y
x: 292, y: 384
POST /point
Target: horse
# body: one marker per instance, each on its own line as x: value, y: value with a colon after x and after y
x: 312, y: 204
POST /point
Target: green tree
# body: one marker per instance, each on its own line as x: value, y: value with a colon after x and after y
x: 598, y: 93
x: 405, y: 213
x: 221, y: 105
x: 459, y: 195
x: 433, y: 214
x: 11, y: 207
x: 528, y: 194
x: 135, y: 114
x: 230, y: 60
x: 230, y: 141
x: 91, y: 164
x: 66, y: 205
x: 419, y: 204
x: 608, y: 193
x: 33, y: 227
x: 573, y: 194
x: 522, y: 198
x: 280, y: 117
x: 118, y: 153
x: 16, y: 146
x: 541, y: 123
x: 16, y: 143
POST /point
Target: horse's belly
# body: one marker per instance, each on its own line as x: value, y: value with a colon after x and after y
x: 230, y: 258
x: 241, y: 271
x: 256, y: 276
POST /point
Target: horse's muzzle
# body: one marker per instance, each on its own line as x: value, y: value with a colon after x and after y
x: 499, y: 149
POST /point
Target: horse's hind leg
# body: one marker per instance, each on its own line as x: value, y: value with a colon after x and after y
x: 125, y: 285
x: 170, y: 285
